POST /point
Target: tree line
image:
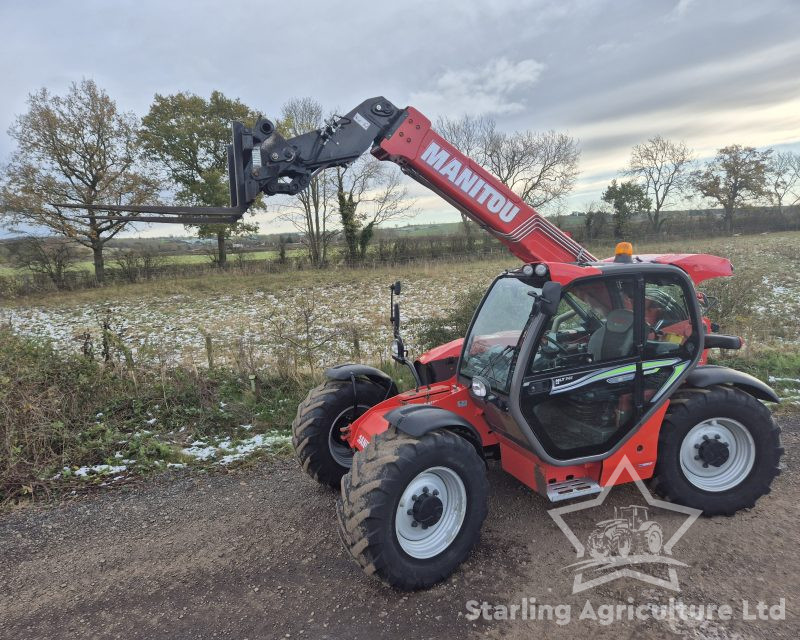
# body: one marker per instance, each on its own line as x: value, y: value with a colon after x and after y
x: 662, y: 172
x: 80, y: 148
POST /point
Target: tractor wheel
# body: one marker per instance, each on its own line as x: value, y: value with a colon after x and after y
x: 718, y: 450
x: 653, y: 539
x: 598, y: 547
x: 624, y: 544
x: 316, y: 430
x: 412, y: 508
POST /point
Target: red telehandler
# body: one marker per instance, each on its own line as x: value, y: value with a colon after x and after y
x: 570, y: 365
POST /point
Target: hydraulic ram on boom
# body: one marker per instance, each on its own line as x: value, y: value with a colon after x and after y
x: 261, y: 160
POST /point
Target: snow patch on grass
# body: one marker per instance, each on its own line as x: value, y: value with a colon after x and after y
x: 96, y: 469
x: 226, y: 451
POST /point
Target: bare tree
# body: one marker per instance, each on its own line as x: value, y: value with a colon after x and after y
x: 466, y: 135
x: 783, y: 179
x: 312, y: 211
x: 663, y: 166
x: 735, y: 177
x: 368, y: 193
x: 540, y: 167
x: 77, y: 149
x: 51, y: 256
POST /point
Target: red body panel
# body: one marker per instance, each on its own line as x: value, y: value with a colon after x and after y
x: 699, y: 266
x: 437, y: 164
x: 447, y: 395
x: 641, y: 449
x: 448, y: 350
x: 535, y: 474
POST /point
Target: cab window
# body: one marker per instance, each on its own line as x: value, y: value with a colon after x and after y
x: 668, y: 323
x: 594, y: 323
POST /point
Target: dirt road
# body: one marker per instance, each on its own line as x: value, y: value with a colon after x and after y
x: 255, y: 554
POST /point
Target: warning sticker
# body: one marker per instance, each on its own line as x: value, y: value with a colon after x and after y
x: 361, y: 121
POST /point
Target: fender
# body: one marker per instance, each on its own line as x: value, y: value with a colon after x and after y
x: 418, y: 419
x: 348, y: 371
x: 711, y: 374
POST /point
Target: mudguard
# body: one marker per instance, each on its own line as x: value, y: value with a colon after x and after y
x: 711, y: 374
x: 349, y: 371
x: 418, y: 419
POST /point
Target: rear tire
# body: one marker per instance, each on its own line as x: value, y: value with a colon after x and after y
x: 375, y: 505
x: 316, y: 430
x: 717, y: 481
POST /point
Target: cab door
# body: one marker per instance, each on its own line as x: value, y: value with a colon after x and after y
x: 582, y: 387
x: 613, y: 351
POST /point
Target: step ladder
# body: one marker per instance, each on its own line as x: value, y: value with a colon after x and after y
x: 575, y: 488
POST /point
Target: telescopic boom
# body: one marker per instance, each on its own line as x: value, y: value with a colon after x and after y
x: 261, y: 160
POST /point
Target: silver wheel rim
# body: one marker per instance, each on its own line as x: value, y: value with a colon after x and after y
x: 422, y: 543
x: 732, y: 472
x: 340, y: 452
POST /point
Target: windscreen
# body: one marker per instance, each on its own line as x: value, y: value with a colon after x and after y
x: 495, y: 337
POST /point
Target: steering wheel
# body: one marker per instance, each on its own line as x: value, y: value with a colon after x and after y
x: 555, y: 343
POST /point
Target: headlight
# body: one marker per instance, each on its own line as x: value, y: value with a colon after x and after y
x: 478, y: 388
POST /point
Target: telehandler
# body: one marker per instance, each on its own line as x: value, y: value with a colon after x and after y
x: 570, y: 365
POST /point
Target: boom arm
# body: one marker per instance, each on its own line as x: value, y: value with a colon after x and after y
x: 261, y: 160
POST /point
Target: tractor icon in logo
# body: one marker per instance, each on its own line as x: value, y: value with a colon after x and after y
x: 630, y: 531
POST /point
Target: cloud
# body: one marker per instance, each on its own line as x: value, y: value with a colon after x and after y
x: 679, y: 10
x: 493, y: 88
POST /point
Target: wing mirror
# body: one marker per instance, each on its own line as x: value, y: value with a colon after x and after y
x: 547, y: 301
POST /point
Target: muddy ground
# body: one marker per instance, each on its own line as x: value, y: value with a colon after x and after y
x: 255, y: 554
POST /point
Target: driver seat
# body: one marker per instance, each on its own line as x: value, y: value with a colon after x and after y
x: 615, y: 338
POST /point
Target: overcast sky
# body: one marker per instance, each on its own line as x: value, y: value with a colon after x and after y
x: 610, y: 73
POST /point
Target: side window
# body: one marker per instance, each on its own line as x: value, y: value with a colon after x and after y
x: 594, y: 323
x: 668, y: 323
x: 670, y: 334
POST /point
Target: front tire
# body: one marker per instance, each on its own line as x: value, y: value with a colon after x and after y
x: 316, y: 431
x: 438, y: 481
x: 719, y: 450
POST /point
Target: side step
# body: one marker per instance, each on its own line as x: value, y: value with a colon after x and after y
x: 558, y: 491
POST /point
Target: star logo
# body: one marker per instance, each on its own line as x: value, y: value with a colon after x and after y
x: 616, y: 547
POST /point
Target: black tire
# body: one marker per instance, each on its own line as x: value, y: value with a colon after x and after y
x: 328, y: 407
x: 371, y: 492
x: 690, y: 407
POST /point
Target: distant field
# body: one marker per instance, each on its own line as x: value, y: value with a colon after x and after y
x: 414, y: 231
x: 260, y: 317
x: 191, y: 258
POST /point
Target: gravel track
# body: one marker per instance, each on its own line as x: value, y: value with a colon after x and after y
x: 255, y: 554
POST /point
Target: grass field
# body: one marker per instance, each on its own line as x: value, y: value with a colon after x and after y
x: 159, y: 405
x: 325, y: 316
x: 189, y: 258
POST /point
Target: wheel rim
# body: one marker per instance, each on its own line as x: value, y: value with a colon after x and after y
x: 700, y: 460
x: 654, y: 541
x: 341, y: 452
x: 437, y: 483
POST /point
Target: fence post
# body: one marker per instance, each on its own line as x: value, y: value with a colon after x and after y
x: 209, y: 351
